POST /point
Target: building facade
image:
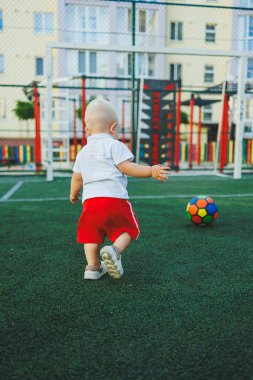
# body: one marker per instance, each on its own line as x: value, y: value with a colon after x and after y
x: 242, y: 40
x: 110, y: 23
x: 25, y: 27
x: 191, y: 27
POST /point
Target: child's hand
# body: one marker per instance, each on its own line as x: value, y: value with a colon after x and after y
x: 160, y: 172
x: 73, y: 199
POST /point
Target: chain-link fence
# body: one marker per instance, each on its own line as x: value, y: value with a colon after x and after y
x: 174, y: 40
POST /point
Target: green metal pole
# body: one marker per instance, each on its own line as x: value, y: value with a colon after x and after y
x: 133, y: 78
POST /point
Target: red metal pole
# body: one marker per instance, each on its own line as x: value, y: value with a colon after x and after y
x: 35, y: 111
x: 74, y: 127
x: 224, y: 134
x: 83, y: 110
x: 222, y: 139
x: 123, y: 138
x: 191, y: 129
x: 226, y: 129
x: 199, y: 137
x: 249, y: 150
x: 37, y: 142
x: 156, y: 125
x: 39, y: 134
x: 178, y: 122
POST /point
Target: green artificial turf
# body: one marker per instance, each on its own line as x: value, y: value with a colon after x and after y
x: 183, y: 309
x: 4, y: 187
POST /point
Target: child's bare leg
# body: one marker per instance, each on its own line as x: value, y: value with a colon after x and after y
x: 91, y: 252
x: 122, y: 242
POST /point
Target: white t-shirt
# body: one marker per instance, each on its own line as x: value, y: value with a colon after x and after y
x: 97, y: 163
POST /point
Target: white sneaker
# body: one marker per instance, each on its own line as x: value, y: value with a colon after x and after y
x: 112, y: 261
x: 91, y: 274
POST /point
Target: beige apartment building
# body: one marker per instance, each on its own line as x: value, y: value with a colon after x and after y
x: 25, y: 27
x: 199, y: 28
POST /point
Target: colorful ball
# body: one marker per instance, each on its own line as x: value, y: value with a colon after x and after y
x: 202, y: 210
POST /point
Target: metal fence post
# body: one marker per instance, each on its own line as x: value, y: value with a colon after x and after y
x: 50, y: 174
x: 133, y: 78
x: 240, y: 117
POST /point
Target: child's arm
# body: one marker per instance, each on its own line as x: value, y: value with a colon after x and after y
x: 158, y: 172
x: 76, y: 185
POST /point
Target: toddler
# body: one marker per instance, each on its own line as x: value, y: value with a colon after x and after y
x: 101, y: 170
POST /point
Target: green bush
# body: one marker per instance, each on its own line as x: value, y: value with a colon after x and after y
x: 24, y: 110
x: 184, y: 118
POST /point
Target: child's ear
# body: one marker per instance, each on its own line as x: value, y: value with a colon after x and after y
x: 113, y: 127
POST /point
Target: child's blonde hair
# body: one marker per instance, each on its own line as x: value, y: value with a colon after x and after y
x: 100, y: 114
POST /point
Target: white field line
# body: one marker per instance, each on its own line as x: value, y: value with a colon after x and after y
x: 38, y: 199
x: 9, y: 193
x: 169, y: 196
x: 222, y: 175
x: 188, y: 196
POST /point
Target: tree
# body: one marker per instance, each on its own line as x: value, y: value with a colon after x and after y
x: 24, y: 110
x: 184, y: 118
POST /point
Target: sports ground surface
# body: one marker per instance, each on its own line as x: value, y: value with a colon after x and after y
x: 183, y: 309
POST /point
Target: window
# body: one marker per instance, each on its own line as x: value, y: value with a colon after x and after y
x: 124, y: 25
x: 248, y: 108
x: 209, y: 74
x: 207, y: 113
x: 151, y: 65
x: 246, y: 33
x: 39, y: 66
x: 142, y: 21
x: 176, y: 31
x: 124, y: 18
x: 92, y: 24
x: 140, y: 63
x: 1, y: 63
x: 129, y: 20
x: 1, y: 20
x: 124, y: 68
x: 124, y: 103
x: 93, y: 63
x: 54, y: 109
x: 148, y: 60
x: 129, y: 64
x: 145, y: 26
x: 87, y: 24
x: 250, y: 69
x: 175, y: 71
x: 146, y: 21
x: 124, y: 64
x: 81, y: 62
x: 210, y: 32
x: 44, y: 23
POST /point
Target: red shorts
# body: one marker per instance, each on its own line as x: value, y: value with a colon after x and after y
x: 105, y: 216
